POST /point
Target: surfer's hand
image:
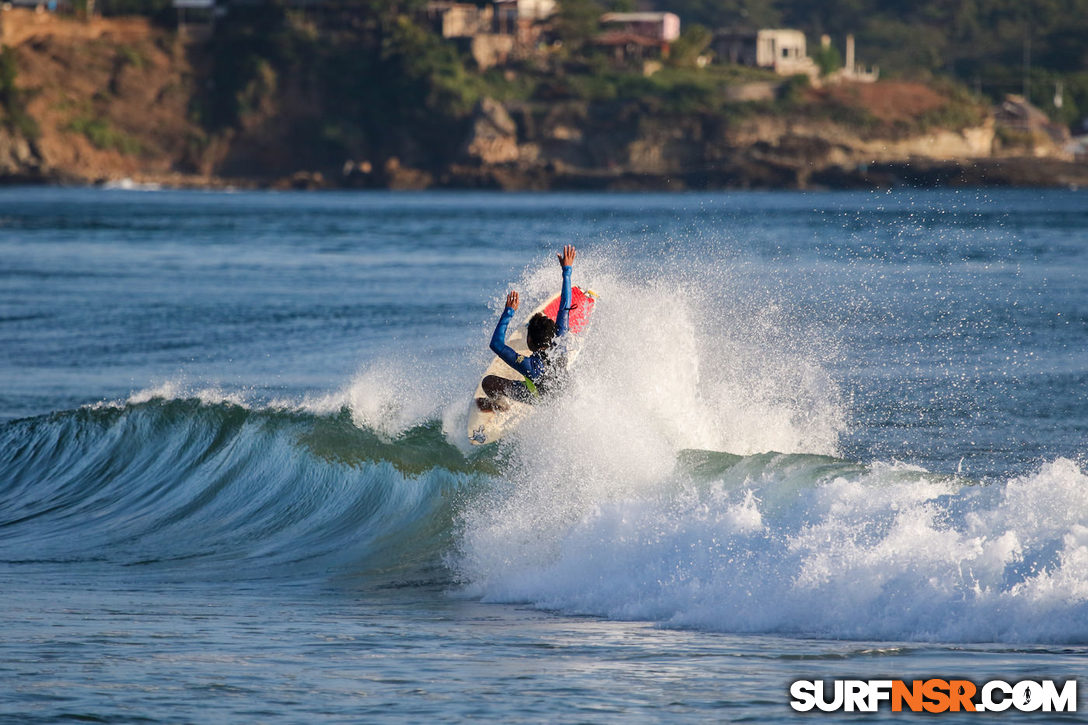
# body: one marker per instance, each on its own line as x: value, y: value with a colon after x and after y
x: 512, y: 300
x: 566, y: 258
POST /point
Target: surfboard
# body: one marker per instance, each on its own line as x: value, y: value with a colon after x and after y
x: 488, y: 426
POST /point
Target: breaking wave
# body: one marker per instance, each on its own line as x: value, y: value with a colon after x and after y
x: 691, y: 474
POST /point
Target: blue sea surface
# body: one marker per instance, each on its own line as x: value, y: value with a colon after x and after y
x: 807, y: 436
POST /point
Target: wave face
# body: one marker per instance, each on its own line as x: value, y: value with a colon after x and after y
x: 724, y: 456
x: 226, y: 491
x: 791, y: 543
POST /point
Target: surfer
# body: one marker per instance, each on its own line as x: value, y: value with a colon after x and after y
x: 538, y: 368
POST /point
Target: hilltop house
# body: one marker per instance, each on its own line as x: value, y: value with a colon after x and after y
x: 530, y: 10
x: 459, y: 20
x: 1032, y: 128
x: 638, y: 36
x: 520, y: 18
x: 491, y: 32
x: 781, y: 50
x: 502, y: 17
x: 659, y: 27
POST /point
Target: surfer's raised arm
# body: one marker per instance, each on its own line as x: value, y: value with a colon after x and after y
x: 566, y: 260
x: 498, y: 339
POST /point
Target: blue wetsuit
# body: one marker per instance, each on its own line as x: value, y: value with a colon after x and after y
x: 533, y: 366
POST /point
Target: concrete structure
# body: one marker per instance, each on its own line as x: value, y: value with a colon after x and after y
x: 660, y: 27
x: 459, y: 20
x: 851, y: 70
x: 496, y: 31
x: 520, y: 18
x: 510, y: 13
x: 782, y: 50
x: 535, y: 9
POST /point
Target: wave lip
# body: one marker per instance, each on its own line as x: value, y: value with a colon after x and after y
x: 221, y: 489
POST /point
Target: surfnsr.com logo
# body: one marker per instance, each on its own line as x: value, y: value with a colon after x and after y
x: 933, y: 695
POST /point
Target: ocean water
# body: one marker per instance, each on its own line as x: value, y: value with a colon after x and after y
x: 809, y: 436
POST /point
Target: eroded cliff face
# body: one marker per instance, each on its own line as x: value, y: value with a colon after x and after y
x: 20, y: 158
x: 614, y: 144
x: 121, y: 99
x: 109, y: 99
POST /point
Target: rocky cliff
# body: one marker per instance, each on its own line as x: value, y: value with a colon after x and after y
x: 624, y: 146
x: 122, y: 99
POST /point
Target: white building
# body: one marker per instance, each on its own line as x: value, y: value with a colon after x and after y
x: 782, y: 50
x: 519, y: 17
x: 663, y: 27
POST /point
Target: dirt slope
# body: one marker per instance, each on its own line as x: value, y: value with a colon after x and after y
x: 111, y: 98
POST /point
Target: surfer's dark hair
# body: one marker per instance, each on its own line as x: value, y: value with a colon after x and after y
x: 541, y: 332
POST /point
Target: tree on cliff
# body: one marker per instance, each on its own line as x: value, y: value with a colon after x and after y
x: 692, y: 43
x: 577, y: 22
x: 13, y: 99
x: 982, y: 43
x: 739, y: 14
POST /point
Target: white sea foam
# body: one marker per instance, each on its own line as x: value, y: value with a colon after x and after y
x: 387, y: 396
x: 883, y: 553
x: 599, y: 515
x: 689, y: 357
x: 181, y: 389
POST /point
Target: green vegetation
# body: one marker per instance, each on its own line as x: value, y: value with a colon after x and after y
x: 691, y: 44
x: 390, y: 74
x: 961, y: 110
x: 576, y: 22
x: 128, y: 55
x: 361, y: 86
x: 13, y: 99
x: 828, y: 59
x: 673, y: 88
x: 393, y: 71
x: 1013, y: 140
x: 980, y: 43
x: 103, y: 135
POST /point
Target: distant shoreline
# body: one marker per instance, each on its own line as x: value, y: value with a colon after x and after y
x: 142, y: 111
x: 1021, y: 173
